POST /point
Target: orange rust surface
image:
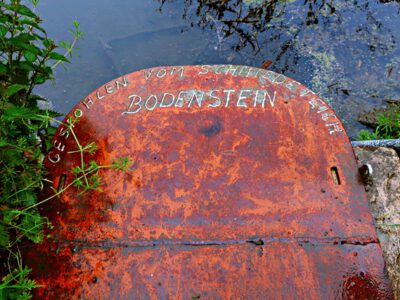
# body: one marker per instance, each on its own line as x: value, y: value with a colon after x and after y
x: 232, y: 194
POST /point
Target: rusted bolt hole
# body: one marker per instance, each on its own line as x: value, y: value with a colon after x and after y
x: 61, y: 182
x: 335, y: 175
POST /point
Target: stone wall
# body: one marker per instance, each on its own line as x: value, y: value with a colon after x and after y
x: 383, y: 189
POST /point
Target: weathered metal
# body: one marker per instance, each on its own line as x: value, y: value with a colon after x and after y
x: 244, y: 185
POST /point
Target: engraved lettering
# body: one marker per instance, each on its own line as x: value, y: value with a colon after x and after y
x: 64, y: 132
x: 54, y: 159
x: 123, y: 83
x: 199, y: 95
x: 148, y: 73
x: 242, y: 96
x: 216, y: 97
x: 99, y: 96
x: 161, y: 73
x: 204, y: 69
x: 151, y: 107
x: 78, y: 113
x: 220, y: 69
x: 59, y: 146
x: 334, y: 127
x: 291, y: 85
x: 213, y: 98
x: 317, y: 103
x: 326, y: 116
x: 254, y: 71
x: 313, y: 103
x: 228, y: 96
x: 136, y: 102
x: 272, y: 100
x: 231, y: 69
x: 322, y: 108
x: 258, y: 100
x: 244, y: 71
x: 88, y: 102
x: 70, y: 123
x: 273, y: 77
x: 280, y: 79
x: 109, y: 89
x: 181, y: 98
x: 269, y: 76
x: 178, y: 70
x: 163, y: 100
x: 304, y: 92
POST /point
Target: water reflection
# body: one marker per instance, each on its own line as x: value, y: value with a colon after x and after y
x: 247, y: 20
x: 346, y: 51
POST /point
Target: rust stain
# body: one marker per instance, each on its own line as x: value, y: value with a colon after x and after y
x: 232, y: 194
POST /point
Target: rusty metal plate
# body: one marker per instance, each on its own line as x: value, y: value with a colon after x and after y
x: 244, y: 185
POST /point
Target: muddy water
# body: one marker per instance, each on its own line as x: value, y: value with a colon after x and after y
x: 346, y: 51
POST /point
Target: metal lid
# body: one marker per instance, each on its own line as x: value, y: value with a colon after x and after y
x: 244, y: 184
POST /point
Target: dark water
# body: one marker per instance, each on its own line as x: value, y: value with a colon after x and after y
x: 346, y: 51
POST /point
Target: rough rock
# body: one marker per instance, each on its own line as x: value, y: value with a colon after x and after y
x: 370, y: 118
x: 383, y: 189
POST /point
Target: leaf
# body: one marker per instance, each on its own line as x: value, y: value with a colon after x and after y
x: 28, y: 197
x: 47, y: 43
x: 40, y: 79
x: 17, y: 112
x: 25, y: 11
x: 32, y: 225
x: 3, y: 31
x: 3, y: 142
x: 31, y: 48
x: 8, y: 216
x: 58, y: 56
x: 122, y: 163
x: 22, y: 39
x: 33, y: 24
x: 3, y: 69
x: 15, y: 88
x: 26, y: 66
x: 31, y: 57
x: 4, y: 236
x: 65, y: 45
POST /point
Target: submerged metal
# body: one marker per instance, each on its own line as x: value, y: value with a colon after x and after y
x: 244, y: 185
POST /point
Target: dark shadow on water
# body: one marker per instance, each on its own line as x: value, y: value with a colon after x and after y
x: 345, y: 51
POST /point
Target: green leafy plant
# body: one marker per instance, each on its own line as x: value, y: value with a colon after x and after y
x: 17, y: 284
x: 27, y: 59
x: 387, y: 127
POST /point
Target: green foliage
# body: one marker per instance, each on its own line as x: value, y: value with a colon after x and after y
x: 83, y: 181
x: 17, y: 285
x: 388, y: 127
x: 365, y: 135
x: 27, y: 59
x: 122, y: 164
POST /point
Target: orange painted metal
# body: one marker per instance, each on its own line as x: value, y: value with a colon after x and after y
x: 244, y: 185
